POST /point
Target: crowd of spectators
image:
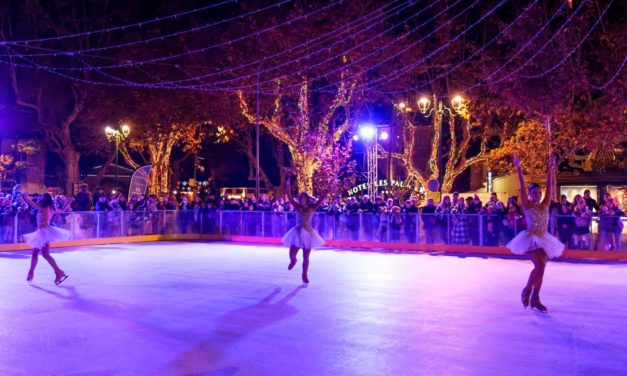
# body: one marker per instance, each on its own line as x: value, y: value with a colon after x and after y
x: 455, y: 220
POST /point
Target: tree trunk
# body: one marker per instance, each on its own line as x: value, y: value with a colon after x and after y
x: 72, y: 175
x: 103, y: 170
x: 304, y: 177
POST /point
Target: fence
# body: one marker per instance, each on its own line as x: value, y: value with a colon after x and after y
x: 420, y: 228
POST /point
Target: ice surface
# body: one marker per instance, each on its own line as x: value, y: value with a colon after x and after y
x: 228, y: 309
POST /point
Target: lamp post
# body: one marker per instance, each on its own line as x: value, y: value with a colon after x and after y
x: 116, y: 136
x: 438, y: 109
x: 398, y: 108
x: 371, y: 134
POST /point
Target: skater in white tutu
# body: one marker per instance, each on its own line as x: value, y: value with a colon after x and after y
x: 40, y: 240
x: 302, y: 235
x: 535, y: 242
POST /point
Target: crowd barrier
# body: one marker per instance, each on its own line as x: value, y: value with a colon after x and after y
x: 422, y: 231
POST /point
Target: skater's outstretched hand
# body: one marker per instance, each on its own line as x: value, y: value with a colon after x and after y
x: 516, y: 161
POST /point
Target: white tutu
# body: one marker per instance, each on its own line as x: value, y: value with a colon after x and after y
x: 525, y: 241
x: 303, y: 238
x: 46, y: 235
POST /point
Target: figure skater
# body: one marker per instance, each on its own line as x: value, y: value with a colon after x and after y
x: 302, y: 235
x: 40, y: 240
x: 536, y: 241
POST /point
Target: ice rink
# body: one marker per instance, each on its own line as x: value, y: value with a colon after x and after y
x: 227, y: 309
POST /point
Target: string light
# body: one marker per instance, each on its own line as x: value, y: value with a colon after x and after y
x: 116, y: 28
x: 572, y: 51
x: 183, y: 32
x: 291, y: 51
x: 428, y: 56
x: 472, y: 56
x: 287, y: 63
x: 541, y: 49
x: 613, y: 78
x: 219, y: 86
x: 376, y: 51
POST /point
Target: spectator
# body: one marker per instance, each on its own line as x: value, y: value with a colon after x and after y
x: 590, y: 202
x: 410, y: 214
x: 83, y: 199
x: 491, y: 225
x: 444, y: 211
x: 396, y: 220
x: 583, y: 216
x: 384, y: 223
x: 565, y: 221
x: 460, y: 220
x: 366, y: 208
x: 611, y: 225
x: 429, y: 221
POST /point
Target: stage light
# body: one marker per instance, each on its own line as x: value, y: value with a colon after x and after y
x: 367, y: 132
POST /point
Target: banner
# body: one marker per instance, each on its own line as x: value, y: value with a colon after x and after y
x: 139, y: 181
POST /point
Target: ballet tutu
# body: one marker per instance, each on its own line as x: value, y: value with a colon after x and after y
x: 46, y: 235
x: 526, y: 241
x: 302, y: 238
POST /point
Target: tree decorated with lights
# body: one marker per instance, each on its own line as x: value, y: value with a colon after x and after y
x: 160, y: 128
x: 311, y: 144
x: 469, y: 139
x: 13, y: 161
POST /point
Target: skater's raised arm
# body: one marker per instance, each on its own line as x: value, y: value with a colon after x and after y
x: 548, y: 195
x: 288, y: 192
x: 30, y: 202
x: 521, y: 184
x: 319, y: 201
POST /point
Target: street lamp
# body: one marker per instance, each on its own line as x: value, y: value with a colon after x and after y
x: 397, y: 108
x: 116, y: 136
x: 371, y: 134
x: 439, y: 109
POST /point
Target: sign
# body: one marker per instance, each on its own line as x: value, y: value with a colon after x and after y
x: 433, y: 185
x: 436, y: 196
x: 139, y: 181
x: 384, y: 183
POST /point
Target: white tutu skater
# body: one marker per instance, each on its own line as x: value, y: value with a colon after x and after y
x: 45, y: 235
x: 303, y: 235
x: 536, y: 236
x: 535, y: 242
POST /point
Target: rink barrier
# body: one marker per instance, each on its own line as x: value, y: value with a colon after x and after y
x: 350, y: 230
x: 404, y: 247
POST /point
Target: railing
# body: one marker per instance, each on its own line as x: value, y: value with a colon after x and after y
x: 603, y: 233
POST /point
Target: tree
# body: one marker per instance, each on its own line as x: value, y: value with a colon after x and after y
x: 310, y: 144
x: 470, y: 140
x: 12, y: 162
x: 59, y: 104
x: 160, y: 127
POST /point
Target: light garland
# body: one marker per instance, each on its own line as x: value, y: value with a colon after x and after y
x: 541, y: 49
x: 211, y: 87
x: 498, y: 36
x: 613, y: 78
x: 377, y: 51
x: 115, y: 28
x: 323, y: 39
x: 172, y: 35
